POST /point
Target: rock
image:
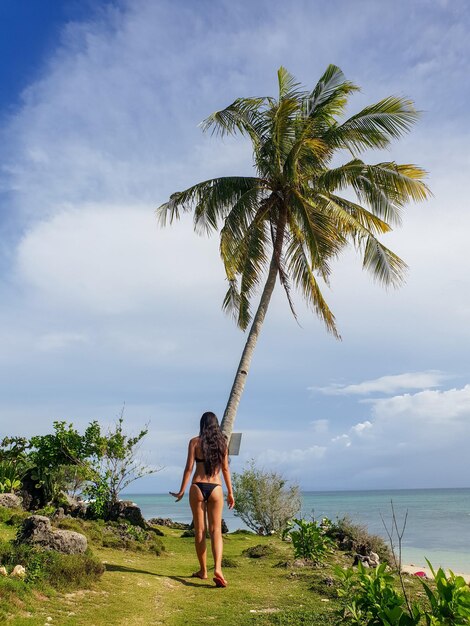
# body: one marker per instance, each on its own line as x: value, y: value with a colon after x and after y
x: 32, y: 492
x: 3, y: 571
x: 126, y: 510
x: 58, y: 514
x: 37, y: 530
x: 224, y: 527
x: 18, y: 572
x: 73, y: 506
x: 10, y: 501
x: 368, y: 560
x: 169, y: 523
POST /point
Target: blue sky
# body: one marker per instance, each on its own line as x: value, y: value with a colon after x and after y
x: 99, y: 112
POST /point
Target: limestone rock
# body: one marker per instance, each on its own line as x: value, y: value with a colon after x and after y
x: 127, y: 510
x: 169, y: 523
x: 73, y: 506
x: 18, y: 572
x: 3, y: 571
x: 37, y: 530
x: 10, y: 501
x: 368, y: 560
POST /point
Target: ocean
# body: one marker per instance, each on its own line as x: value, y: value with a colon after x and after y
x: 438, y: 523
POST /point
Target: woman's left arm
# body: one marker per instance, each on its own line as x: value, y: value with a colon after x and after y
x: 186, y: 474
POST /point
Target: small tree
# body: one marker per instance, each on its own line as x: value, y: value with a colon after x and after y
x: 13, y: 463
x: 114, y: 465
x: 263, y: 500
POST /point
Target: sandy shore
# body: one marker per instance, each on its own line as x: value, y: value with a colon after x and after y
x: 412, y: 569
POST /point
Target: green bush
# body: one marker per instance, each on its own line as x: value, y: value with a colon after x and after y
x: 450, y: 601
x: 118, y: 535
x: 49, y: 568
x: 356, y: 538
x: 372, y: 600
x: 309, y: 540
x: 264, y: 500
x: 12, y: 517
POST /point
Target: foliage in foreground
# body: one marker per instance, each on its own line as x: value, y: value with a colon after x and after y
x: 309, y: 539
x: 264, y: 501
x: 371, y: 599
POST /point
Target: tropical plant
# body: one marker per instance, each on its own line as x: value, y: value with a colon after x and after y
x: 292, y: 218
x: 309, y: 540
x: 372, y: 600
x: 13, y: 463
x: 450, y: 601
x: 264, y: 500
x: 10, y: 477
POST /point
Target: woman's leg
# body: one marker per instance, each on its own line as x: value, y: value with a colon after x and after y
x: 215, y: 504
x: 198, y: 507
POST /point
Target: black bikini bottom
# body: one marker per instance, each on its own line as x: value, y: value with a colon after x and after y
x: 207, y: 489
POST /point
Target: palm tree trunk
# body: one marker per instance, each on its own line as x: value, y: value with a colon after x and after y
x: 255, y: 330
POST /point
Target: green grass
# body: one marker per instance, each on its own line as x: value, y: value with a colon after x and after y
x: 143, y: 589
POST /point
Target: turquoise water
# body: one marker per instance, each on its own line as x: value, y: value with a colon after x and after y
x: 438, y: 524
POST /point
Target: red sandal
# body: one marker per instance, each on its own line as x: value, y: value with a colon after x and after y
x: 219, y: 581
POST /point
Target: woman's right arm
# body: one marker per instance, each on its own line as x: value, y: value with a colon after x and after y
x: 186, y: 474
x: 228, y: 482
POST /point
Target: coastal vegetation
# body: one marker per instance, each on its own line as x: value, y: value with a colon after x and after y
x: 267, y: 585
x: 264, y: 500
x: 295, y: 215
x: 96, y: 464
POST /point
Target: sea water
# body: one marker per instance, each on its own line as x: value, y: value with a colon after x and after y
x: 437, y: 524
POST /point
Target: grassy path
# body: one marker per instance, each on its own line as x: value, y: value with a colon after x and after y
x: 141, y: 589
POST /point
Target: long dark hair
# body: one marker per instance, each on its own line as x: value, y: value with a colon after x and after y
x: 213, y: 443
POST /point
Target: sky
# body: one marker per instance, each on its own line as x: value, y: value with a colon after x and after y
x: 101, y: 309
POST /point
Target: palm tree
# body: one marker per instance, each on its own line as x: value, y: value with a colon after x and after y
x: 289, y: 220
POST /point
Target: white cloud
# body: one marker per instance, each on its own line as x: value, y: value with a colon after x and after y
x: 320, y: 427
x: 427, y: 408
x: 387, y: 384
x: 61, y: 340
x: 361, y: 427
x: 113, y: 260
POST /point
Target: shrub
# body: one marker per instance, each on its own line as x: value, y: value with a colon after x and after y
x: 264, y: 500
x: 372, y: 600
x: 259, y: 551
x: 12, y: 517
x: 60, y: 571
x: 309, y: 540
x: 119, y: 535
x: 356, y: 538
x: 450, y: 602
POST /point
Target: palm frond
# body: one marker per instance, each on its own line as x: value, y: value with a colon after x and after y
x: 254, y: 261
x: 386, y: 187
x: 384, y: 265
x: 288, y: 85
x: 212, y: 199
x: 299, y: 268
x: 375, y: 125
x: 330, y: 94
x: 363, y: 219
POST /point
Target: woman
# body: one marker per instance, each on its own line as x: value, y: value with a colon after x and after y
x: 210, y: 453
